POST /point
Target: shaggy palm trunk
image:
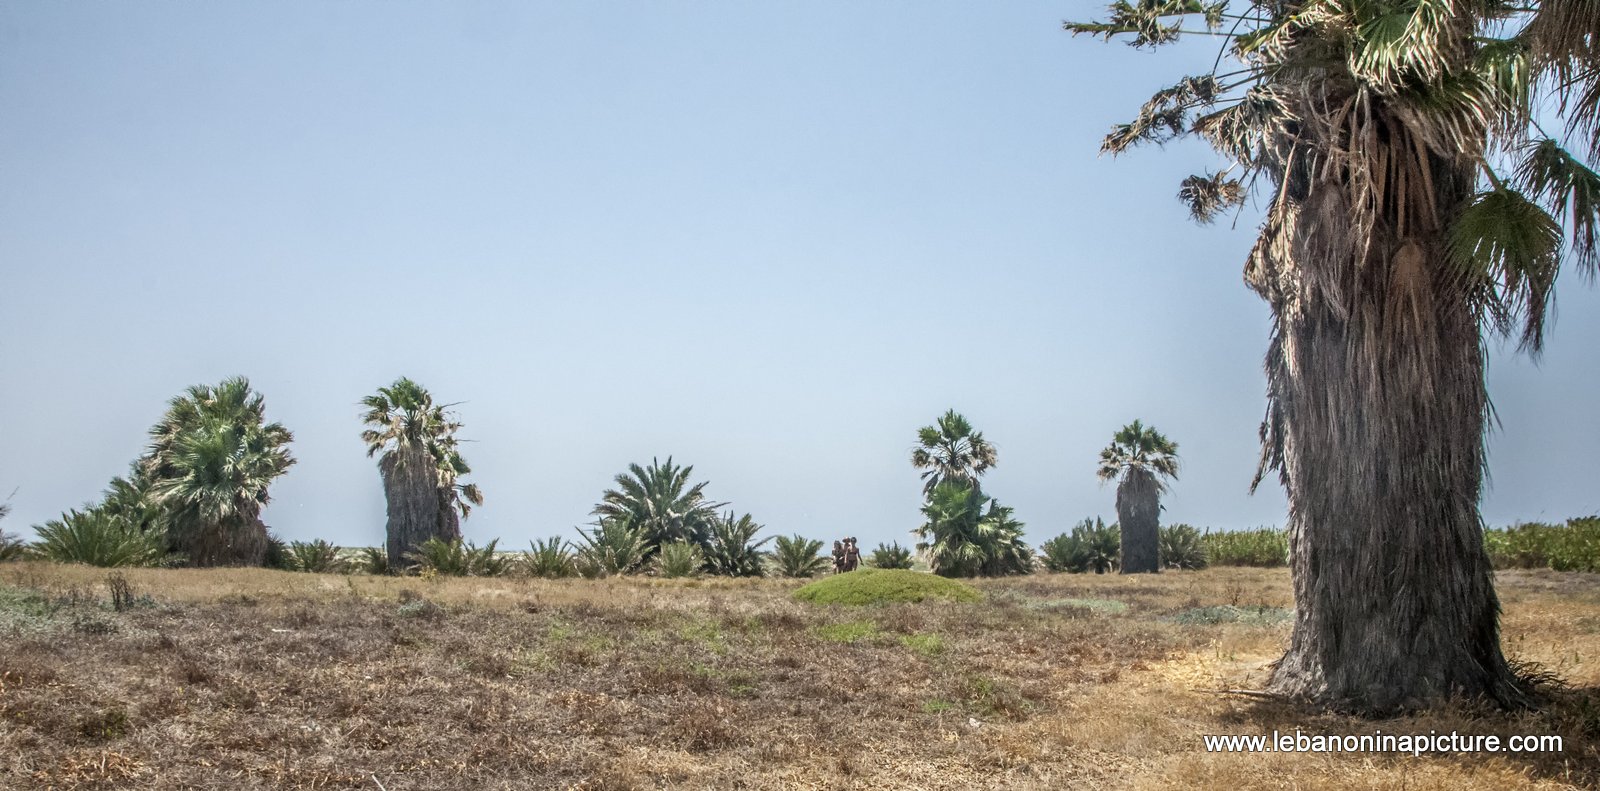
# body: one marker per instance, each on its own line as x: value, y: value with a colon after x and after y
x: 1376, y: 423
x: 410, y: 485
x: 1139, y: 512
x: 242, y: 542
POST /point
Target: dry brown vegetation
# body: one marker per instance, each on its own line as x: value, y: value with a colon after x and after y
x: 260, y: 679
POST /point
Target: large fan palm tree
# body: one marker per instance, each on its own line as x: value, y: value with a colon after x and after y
x: 211, y: 461
x: 1412, y: 205
x: 421, y: 467
x: 968, y: 534
x: 1139, y: 458
x: 949, y: 450
x: 659, y: 501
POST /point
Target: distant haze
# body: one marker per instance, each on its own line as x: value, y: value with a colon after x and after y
x: 767, y: 239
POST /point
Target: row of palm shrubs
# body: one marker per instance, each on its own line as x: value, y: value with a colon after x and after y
x: 1094, y: 546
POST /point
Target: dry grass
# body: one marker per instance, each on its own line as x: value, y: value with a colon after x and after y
x: 260, y: 679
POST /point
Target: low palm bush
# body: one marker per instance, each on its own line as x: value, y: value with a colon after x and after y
x: 549, y: 559
x: 1181, y: 548
x: 611, y: 547
x: 11, y: 547
x: 733, y: 550
x: 319, y: 557
x: 969, y: 534
x: 1265, y: 547
x: 1091, y: 546
x: 373, y: 560
x: 457, y: 558
x: 798, y: 556
x: 97, y: 538
x: 679, y: 559
x: 890, y: 556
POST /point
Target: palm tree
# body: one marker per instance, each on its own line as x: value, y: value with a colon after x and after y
x: 1413, y: 206
x: 968, y: 534
x: 659, y: 501
x: 211, y: 461
x: 798, y: 556
x: 421, y: 467
x: 733, y: 550
x: 949, y: 450
x: 1141, y: 457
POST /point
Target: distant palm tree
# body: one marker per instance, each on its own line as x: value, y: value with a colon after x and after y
x: 421, y: 466
x: 950, y: 450
x: 1141, y: 457
x: 658, y: 501
x: 211, y: 460
x: 798, y: 556
x: 969, y: 534
x: 733, y: 550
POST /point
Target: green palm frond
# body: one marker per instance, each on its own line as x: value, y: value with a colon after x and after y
x: 968, y: 534
x: 798, y: 556
x: 550, y: 559
x: 1513, y: 247
x: 950, y: 450
x: 1138, y: 447
x: 611, y: 547
x: 733, y: 550
x: 96, y: 538
x: 659, y: 501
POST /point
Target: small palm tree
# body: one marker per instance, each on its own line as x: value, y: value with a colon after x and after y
x: 1091, y: 546
x: 969, y: 534
x: 211, y: 461
x: 1141, y: 458
x: 798, y: 556
x: 733, y: 550
x: 610, y: 547
x: 318, y: 557
x: 548, y: 558
x: 1181, y: 548
x: 679, y: 559
x: 659, y: 501
x: 422, y: 466
x: 96, y: 538
x: 890, y: 556
x: 11, y: 547
x: 949, y: 450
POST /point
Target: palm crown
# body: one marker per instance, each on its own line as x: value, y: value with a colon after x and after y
x: 1139, y: 448
x: 659, y: 501
x: 404, y: 421
x: 950, y: 450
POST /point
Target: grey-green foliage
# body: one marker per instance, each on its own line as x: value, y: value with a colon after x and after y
x: 610, y: 547
x: 457, y: 558
x: 890, y: 556
x: 679, y: 559
x: 317, y: 556
x: 1091, y: 546
x: 798, y: 556
x: 969, y: 534
x: 11, y: 547
x: 733, y: 550
x: 97, y: 538
x: 1181, y: 547
x: 549, y: 558
x: 659, y: 501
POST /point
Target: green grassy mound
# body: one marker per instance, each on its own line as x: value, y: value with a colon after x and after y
x: 881, y: 586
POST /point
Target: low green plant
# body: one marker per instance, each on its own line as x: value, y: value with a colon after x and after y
x: 319, y: 557
x: 1264, y: 547
x: 732, y: 550
x: 884, y: 586
x: 611, y: 547
x: 1091, y: 546
x: 373, y: 560
x: 678, y: 559
x: 798, y: 556
x: 457, y: 558
x: 850, y: 632
x: 1573, y: 546
x: 1181, y: 547
x: 97, y: 538
x: 11, y: 547
x: 277, y: 555
x: 549, y: 558
x: 890, y: 556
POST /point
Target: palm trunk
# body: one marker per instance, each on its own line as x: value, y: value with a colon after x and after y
x: 410, y: 486
x: 1376, y: 423
x: 1139, y: 513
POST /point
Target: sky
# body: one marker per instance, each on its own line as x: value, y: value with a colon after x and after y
x: 770, y: 240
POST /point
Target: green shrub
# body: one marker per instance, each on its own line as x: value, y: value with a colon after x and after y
x: 611, y: 547
x: 797, y: 556
x: 1181, y: 547
x: 890, y: 556
x: 733, y: 550
x: 1264, y: 547
x: 97, y: 538
x: 319, y: 557
x: 679, y: 559
x: 11, y: 547
x: 373, y: 560
x: 549, y: 559
x: 457, y: 558
x: 882, y: 586
x: 1091, y: 546
x: 1574, y: 546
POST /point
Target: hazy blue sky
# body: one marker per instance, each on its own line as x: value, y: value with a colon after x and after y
x: 769, y: 239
